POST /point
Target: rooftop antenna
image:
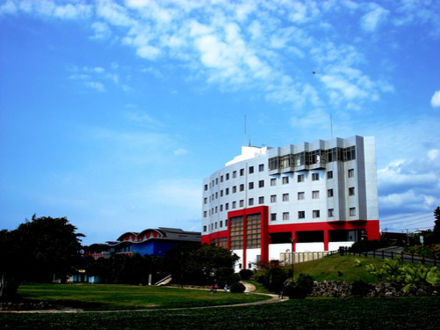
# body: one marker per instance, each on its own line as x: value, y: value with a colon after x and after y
x: 331, y: 126
x: 245, y: 139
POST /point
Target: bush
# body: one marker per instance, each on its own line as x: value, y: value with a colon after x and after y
x: 364, y: 246
x: 274, y: 279
x: 360, y: 288
x: 237, y: 288
x: 245, y: 274
x: 301, y: 288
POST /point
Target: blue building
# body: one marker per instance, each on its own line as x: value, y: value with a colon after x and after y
x: 147, y: 242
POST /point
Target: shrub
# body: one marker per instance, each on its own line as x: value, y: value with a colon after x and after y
x: 237, y: 288
x: 364, y: 246
x: 245, y: 274
x: 360, y: 288
x: 274, y: 279
x: 301, y: 288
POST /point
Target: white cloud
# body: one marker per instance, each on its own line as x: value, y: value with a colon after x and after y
x: 95, y: 85
x: 180, y: 152
x: 101, y: 30
x: 435, y: 100
x: 433, y: 154
x: 371, y: 21
x: 8, y: 8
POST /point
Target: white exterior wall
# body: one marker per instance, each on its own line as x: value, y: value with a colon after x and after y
x: 309, y: 247
x: 332, y: 246
x: 276, y: 249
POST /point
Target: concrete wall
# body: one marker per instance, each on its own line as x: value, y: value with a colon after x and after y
x: 276, y: 249
x: 309, y: 247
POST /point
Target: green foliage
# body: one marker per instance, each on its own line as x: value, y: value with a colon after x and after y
x: 237, y: 288
x: 246, y: 274
x: 36, y: 251
x: 406, y: 274
x: 201, y: 265
x: 301, y: 288
x: 274, y: 278
x: 360, y: 288
x: 437, y: 223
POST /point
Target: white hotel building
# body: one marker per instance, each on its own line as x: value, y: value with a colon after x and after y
x: 305, y: 197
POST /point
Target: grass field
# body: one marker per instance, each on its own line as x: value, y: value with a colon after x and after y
x: 102, y: 296
x: 368, y: 313
x: 327, y: 268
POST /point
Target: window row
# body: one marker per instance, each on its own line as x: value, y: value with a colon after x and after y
x: 315, y: 214
x: 216, y: 225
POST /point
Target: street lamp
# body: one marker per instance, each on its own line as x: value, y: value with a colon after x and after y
x: 293, y: 257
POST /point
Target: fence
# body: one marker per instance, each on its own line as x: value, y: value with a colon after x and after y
x: 298, y: 257
x: 392, y: 255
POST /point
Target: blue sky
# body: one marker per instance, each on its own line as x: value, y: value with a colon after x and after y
x: 112, y: 113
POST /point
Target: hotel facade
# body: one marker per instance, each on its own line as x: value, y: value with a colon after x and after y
x: 307, y: 197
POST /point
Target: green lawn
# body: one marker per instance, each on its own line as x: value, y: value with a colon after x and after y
x: 368, y: 313
x: 102, y: 296
x: 327, y: 268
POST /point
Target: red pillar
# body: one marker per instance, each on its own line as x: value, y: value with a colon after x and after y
x: 264, y: 246
x: 294, y: 239
x: 325, y: 240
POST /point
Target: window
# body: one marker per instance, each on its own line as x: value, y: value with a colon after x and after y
x: 285, y: 197
x: 261, y: 183
x: 301, y: 195
x: 241, y: 203
x: 330, y: 193
x: 285, y: 215
x: 251, y: 169
x: 216, y: 225
x: 241, y: 171
x: 330, y: 213
x: 261, y: 168
x: 205, y: 200
x: 227, y: 176
x: 221, y: 224
x: 301, y: 214
x: 251, y: 201
x: 273, y: 198
x: 273, y: 181
x: 352, y: 211
x: 315, y: 194
x: 330, y: 175
x: 351, y: 173
x: 216, y: 195
x: 221, y: 193
x: 315, y: 213
x: 273, y: 217
x: 206, y: 187
x: 227, y: 191
x: 261, y: 200
x: 234, y: 204
x: 221, y: 207
x: 351, y: 191
x: 204, y: 228
x: 226, y: 222
x: 234, y: 174
x: 242, y: 187
x: 216, y: 181
x: 205, y: 214
x: 285, y: 180
x: 251, y: 185
x: 315, y: 176
x: 221, y: 178
x: 227, y: 206
x: 234, y: 189
x: 300, y: 178
x: 216, y: 208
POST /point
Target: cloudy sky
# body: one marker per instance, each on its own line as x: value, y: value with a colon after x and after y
x: 112, y: 112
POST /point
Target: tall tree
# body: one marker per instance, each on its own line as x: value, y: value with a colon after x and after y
x: 437, y: 223
x: 37, y: 250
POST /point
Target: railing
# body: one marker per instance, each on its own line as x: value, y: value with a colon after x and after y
x: 299, y: 257
x: 392, y: 255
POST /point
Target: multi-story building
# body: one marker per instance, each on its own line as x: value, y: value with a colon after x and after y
x: 305, y: 197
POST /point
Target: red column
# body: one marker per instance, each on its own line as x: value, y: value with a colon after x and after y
x: 294, y: 241
x: 229, y: 233
x: 325, y: 240
x: 264, y: 246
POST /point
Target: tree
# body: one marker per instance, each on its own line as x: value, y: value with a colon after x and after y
x: 437, y: 223
x: 38, y: 250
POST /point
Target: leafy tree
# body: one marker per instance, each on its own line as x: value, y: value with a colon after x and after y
x: 437, y: 223
x: 38, y: 250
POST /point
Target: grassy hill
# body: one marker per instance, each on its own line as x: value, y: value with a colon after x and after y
x: 336, y: 267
